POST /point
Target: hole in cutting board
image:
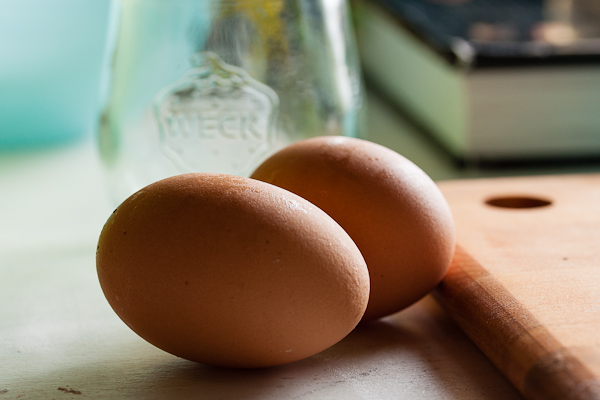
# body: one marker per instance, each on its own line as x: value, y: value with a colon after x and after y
x: 517, y: 202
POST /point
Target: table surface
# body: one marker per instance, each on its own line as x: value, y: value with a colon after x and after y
x: 59, y: 337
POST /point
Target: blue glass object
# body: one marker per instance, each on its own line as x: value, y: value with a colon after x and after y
x: 51, y: 55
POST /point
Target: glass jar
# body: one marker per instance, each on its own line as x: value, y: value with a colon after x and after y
x: 218, y: 85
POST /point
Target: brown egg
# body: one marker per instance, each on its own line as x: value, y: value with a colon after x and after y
x: 393, y: 211
x: 230, y: 271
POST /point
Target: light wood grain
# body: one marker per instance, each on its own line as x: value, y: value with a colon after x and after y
x: 525, y: 281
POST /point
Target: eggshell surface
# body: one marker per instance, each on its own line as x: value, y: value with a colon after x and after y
x: 393, y: 211
x: 230, y: 271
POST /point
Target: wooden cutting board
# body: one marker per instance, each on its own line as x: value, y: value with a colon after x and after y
x: 525, y: 280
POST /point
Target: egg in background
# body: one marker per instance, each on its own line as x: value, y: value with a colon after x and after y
x: 393, y: 211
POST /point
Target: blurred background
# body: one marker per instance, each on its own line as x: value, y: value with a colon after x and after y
x: 463, y: 88
x: 504, y: 87
x: 51, y: 55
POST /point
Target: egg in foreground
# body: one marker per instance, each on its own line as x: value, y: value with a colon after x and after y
x: 230, y: 271
x: 393, y: 211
